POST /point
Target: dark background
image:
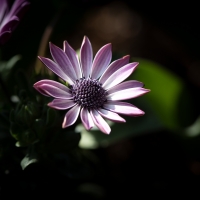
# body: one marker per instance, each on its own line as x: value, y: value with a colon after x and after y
x: 156, y: 164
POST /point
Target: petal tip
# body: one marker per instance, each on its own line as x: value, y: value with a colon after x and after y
x: 65, y: 42
x: 108, y: 132
x: 49, y: 104
x: 142, y: 113
x: 51, y: 45
x: 85, y: 37
x: 109, y: 45
x: 35, y: 85
x: 89, y: 128
x: 41, y: 58
x: 64, y: 123
x: 127, y: 56
x: 148, y: 90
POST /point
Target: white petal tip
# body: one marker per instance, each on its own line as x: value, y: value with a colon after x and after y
x: 49, y: 104
x: 140, y: 114
x: 63, y: 126
x: 64, y: 123
x: 85, y: 38
x: 127, y: 56
x: 107, y: 133
x: 109, y: 44
x: 136, y: 63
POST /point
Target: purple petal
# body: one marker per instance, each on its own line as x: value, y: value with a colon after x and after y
x: 101, y: 61
x: 61, y: 104
x: 23, y: 9
x: 71, y: 116
x: 11, y: 24
x: 53, y: 89
x: 127, y: 94
x: 18, y: 8
x: 86, y: 119
x: 100, y: 122
x: 118, y: 76
x: 54, y: 67
x: 110, y: 115
x: 63, y: 61
x: 114, y: 66
x: 3, y: 9
x: 73, y: 58
x: 125, y: 85
x: 86, y: 55
x: 123, y: 108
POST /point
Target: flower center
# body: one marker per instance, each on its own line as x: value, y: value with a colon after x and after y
x: 88, y: 93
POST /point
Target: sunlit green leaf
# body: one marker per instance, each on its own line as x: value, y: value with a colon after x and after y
x: 166, y: 96
x: 29, y: 158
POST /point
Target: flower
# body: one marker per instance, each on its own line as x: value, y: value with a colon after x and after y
x: 10, y: 17
x: 95, y: 86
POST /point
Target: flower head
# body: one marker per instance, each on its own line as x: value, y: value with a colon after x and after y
x: 10, y: 17
x: 95, y: 86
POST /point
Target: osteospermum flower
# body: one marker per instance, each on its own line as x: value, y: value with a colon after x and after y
x: 10, y: 17
x: 95, y: 86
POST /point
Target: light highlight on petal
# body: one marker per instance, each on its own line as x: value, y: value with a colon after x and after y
x: 54, y: 67
x: 61, y: 104
x: 100, y: 122
x: 53, y: 88
x: 127, y: 94
x: 110, y: 115
x: 73, y: 58
x: 125, y: 85
x: 114, y: 66
x: 120, y: 75
x: 86, y: 119
x: 86, y: 55
x: 101, y: 61
x: 63, y: 61
x: 123, y: 108
x: 71, y: 116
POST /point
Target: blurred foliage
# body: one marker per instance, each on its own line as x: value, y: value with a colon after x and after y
x: 170, y: 97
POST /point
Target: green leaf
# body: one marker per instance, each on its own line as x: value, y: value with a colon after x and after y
x: 30, y: 158
x: 166, y: 89
x: 6, y: 66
